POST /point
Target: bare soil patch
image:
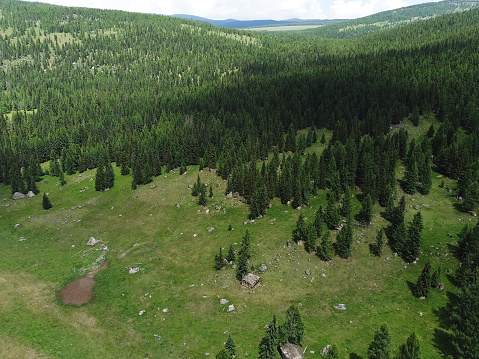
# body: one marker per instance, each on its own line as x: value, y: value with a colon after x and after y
x: 80, y: 291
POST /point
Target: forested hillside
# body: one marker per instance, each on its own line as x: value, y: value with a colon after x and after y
x: 375, y: 139
x: 393, y: 18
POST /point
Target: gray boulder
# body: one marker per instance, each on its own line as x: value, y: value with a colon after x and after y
x: 340, y: 307
x: 92, y: 241
x: 30, y: 194
x: 18, y: 195
x: 231, y: 307
x: 263, y: 268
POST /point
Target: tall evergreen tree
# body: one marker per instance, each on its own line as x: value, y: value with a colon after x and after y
x: 325, y: 250
x: 423, y: 285
x: 219, y: 260
x: 230, y: 257
x: 46, y: 202
x: 311, y: 237
x: 267, y: 346
x: 292, y: 331
x: 378, y: 246
x: 299, y: 233
x: 61, y: 178
x: 223, y: 354
x: 318, y: 221
x: 436, y: 277
x: 380, y: 348
x: 411, y: 177
x: 346, y: 206
x: 344, y: 241
x: 366, y: 213
x: 413, y: 243
x: 331, y: 215
x: 230, y: 345
x: 410, y: 350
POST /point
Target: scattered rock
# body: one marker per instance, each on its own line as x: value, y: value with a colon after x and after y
x: 323, y: 275
x: 233, y: 266
x: 210, y: 229
x: 231, y: 307
x: 134, y: 270
x: 141, y: 312
x: 224, y: 301
x: 17, y: 225
x: 388, y: 258
x: 21, y: 239
x: 165, y: 310
x: 30, y: 194
x: 289, y: 244
x: 440, y: 286
x: 420, y: 314
x: 18, y: 195
x: 263, y: 268
x: 307, y: 271
x: 340, y: 307
x: 422, y: 298
x: 417, y: 207
x: 158, y: 336
x: 229, y: 195
x: 472, y: 213
x: 92, y: 241
x: 425, y: 206
x: 178, y: 205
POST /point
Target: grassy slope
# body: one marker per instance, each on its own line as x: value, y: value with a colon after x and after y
x: 172, y: 259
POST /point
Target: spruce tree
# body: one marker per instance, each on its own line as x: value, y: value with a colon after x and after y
x: 100, y: 178
x: 299, y: 233
x: 219, y: 260
x: 109, y: 176
x: 46, y: 202
x: 331, y: 215
x: 311, y: 237
x: 423, y: 285
x: 230, y: 257
x: 413, y: 243
x: 366, y: 213
x: 380, y: 348
x: 61, y: 178
x: 267, y: 346
x: 399, y: 239
x: 344, y: 241
x: 230, y: 346
x: 202, y: 197
x: 292, y: 331
x: 325, y: 250
x: 436, y: 277
x: 411, y: 177
x: 378, y: 246
x: 410, y: 350
x: 346, y: 206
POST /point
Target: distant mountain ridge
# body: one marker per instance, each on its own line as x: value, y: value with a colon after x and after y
x: 243, y: 24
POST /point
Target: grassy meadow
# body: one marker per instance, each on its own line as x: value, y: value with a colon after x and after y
x: 161, y: 229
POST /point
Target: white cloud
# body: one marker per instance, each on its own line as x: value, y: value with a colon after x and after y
x: 358, y: 8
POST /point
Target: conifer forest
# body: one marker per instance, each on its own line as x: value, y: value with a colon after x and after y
x: 343, y: 170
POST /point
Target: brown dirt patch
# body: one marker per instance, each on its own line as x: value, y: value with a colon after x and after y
x: 80, y: 291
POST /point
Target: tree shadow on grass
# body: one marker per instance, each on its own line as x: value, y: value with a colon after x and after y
x: 442, y: 338
x: 412, y: 287
x: 355, y: 356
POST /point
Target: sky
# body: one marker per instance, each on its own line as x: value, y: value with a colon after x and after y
x: 250, y: 9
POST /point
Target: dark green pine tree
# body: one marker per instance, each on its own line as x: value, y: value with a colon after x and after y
x: 411, y: 177
x: 344, y: 241
x: 242, y: 267
x: 366, y: 214
x: 100, y: 178
x: 423, y: 285
x: 210, y: 194
x: 318, y: 221
x: 69, y: 165
x: 399, y: 239
x: 378, y: 246
x: 109, y: 175
x: 219, y: 260
x: 292, y: 331
x: 267, y: 346
x: 196, y: 187
x: 230, y: 346
x: 299, y: 233
x: 125, y: 170
x: 436, y: 277
x: 30, y: 180
x: 465, y: 321
x: 331, y: 215
x: 390, y: 209
x: 323, y: 139
x: 399, y: 211
x: 46, y: 202
x: 202, y: 197
x: 54, y: 167
x: 16, y: 179
x: 424, y: 174
x: 246, y: 245
x: 410, y: 350
x: 325, y: 250
x: 146, y: 173
x: 61, y: 178
x: 310, y: 239
x: 380, y: 348
x: 230, y: 257
x: 413, y: 243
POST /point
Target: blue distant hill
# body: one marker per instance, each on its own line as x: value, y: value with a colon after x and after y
x: 243, y: 24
